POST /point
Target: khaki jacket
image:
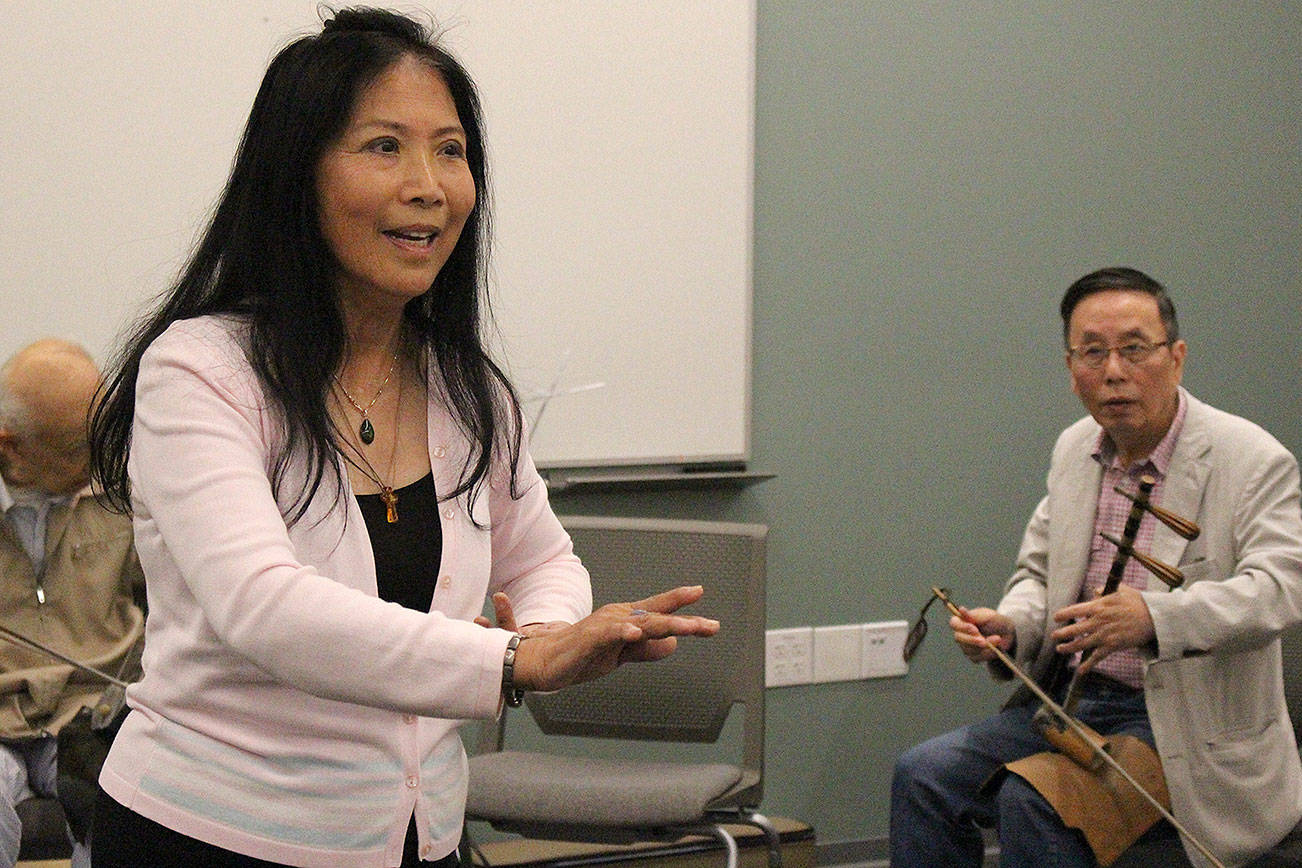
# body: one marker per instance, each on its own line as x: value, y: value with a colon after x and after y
x: 1213, y: 684
x: 90, y: 614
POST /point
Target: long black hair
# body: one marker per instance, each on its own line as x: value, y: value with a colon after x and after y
x: 263, y: 258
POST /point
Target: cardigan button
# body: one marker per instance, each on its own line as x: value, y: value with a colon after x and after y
x: 412, y: 782
x: 440, y: 451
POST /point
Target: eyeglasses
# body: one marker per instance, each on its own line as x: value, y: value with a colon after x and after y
x: 918, y: 631
x: 1096, y: 355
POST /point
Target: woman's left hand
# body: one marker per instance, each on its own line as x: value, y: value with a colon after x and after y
x: 505, y: 616
x: 557, y: 655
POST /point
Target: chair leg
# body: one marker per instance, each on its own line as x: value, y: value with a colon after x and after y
x: 748, y: 817
x: 714, y: 830
x: 762, y: 823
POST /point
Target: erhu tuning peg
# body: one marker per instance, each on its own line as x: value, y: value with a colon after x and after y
x: 1167, y: 573
x: 1183, y: 526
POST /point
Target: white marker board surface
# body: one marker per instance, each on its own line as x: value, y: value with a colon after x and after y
x: 621, y: 144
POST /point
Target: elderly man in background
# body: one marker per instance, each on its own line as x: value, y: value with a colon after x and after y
x: 68, y: 572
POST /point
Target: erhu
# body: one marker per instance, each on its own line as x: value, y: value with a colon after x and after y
x: 1171, y: 576
x: 1055, y: 722
x: 1081, y: 743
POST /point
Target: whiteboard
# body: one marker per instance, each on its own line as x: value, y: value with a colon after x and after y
x: 620, y: 139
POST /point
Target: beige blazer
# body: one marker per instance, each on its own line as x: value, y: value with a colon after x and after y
x: 91, y: 581
x: 1213, y: 683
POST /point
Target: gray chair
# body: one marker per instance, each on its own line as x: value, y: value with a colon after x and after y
x: 685, y: 698
x: 1286, y: 854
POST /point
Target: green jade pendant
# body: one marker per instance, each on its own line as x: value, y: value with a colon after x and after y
x: 366, y: 431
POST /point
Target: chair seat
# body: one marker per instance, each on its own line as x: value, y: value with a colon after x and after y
x: 518, y: 786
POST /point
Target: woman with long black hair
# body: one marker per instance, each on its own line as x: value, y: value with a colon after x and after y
x: 327, y: 476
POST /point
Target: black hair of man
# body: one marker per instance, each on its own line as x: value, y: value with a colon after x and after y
x: 1119, y: 278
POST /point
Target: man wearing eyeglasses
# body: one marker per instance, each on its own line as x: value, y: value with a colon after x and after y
x: 1193, y: 672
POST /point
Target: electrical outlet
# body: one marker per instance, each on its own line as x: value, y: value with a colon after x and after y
x: 838, y: 652
x: 883, y: 649
x: 788, y: 656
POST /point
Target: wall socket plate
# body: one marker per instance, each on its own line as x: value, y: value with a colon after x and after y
x: 842, y: 652
x: 838, y: 653
x: 788, y: 656
x: 883, y: 649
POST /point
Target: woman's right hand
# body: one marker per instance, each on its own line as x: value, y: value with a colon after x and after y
x: 560, y: 655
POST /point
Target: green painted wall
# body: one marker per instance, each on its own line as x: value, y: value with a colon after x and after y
x: 929, y: 179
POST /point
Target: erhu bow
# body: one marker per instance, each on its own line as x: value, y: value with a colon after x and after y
x: 83, y: 741
x: 1081, y: 743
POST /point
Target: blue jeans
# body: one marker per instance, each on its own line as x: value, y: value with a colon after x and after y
x: 936, y: 803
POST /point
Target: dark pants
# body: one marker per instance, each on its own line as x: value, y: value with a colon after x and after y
x: 124, y: 839
x: 937, y: 803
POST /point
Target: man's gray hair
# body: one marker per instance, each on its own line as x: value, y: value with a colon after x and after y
x: 14, y: 415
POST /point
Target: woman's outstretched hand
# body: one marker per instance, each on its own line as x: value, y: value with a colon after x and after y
x: 557, y: 655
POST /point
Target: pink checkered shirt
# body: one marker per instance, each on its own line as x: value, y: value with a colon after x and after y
x: 1126, y: 666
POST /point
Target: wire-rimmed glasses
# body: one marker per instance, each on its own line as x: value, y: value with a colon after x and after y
x: 1097, y: 355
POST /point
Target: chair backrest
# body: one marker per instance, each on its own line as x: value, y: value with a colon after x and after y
x: 687, y: 696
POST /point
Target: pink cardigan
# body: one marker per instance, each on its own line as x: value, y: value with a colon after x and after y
x: 286, y: 712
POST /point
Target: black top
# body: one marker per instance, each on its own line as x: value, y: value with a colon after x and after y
x: 407, y: 552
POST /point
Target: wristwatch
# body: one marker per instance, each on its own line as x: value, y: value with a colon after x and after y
x: 514, y: 695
